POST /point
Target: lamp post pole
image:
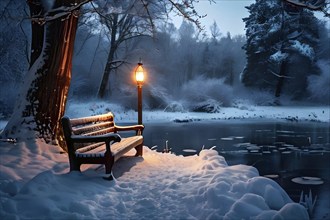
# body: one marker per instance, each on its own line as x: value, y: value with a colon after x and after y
x: 139, y: 88
x: 139, y: 77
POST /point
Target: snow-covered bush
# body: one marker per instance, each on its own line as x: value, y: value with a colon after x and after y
x: 318, y: 86
x: 156, y: 96
x: 206, y: 94
x: 210, y: 106
x: 126, y: 96
x: 243, y: 104
x: 175, y: 107
x: 92, y: 107
x: 259, y: 97
x: 153, y: 97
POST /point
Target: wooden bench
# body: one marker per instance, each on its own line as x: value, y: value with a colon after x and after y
x: 95, y: 140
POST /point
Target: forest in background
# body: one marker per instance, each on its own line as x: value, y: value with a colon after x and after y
x: 186, y: 69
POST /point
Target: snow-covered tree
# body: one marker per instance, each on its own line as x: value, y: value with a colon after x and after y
x: 314, y: 5
x: 323, y: 52
x: 14, y: 58
x: 280, y: 48
x: 43, y: 97
x: 318, y: 85
x: 223, y: 58
x: 187, y: 53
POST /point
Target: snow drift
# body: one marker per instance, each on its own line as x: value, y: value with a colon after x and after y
x: 35, y: 183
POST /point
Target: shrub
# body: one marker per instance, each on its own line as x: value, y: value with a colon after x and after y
x: 318, y: 86
x: 175, y: 107
x: 204, y: 94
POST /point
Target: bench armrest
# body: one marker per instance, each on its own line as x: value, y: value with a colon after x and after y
x: 98, y: 138
x: 129, y: 128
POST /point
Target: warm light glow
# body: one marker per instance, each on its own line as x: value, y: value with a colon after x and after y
x: 139, y: 74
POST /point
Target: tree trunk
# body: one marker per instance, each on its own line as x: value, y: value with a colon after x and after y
x: 282, y: 73
x: 106, y: 74
x: 280, y: 81
x: 109, y: 66
x: 37, y: 30
x: 42, y: 100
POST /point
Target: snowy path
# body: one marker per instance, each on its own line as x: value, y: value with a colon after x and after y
x: 157, y: 186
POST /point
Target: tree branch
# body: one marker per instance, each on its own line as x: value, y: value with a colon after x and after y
x: 318, y: 5
x: 186, y: 15
x: 280, y: 76
x: 58, y: 13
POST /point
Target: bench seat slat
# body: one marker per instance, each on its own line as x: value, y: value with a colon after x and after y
x: 125, y: 146
x: 126, y: 143
x: 89, y: 148
x: 118, y: 149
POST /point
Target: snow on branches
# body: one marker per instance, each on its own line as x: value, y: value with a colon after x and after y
x: 314, y: 5
x: 60, y: 12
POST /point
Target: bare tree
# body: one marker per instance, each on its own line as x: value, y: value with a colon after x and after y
x: 131, y: 20
x: 125, y: 19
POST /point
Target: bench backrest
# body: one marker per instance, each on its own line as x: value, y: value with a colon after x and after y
x: 89, y: 126
x: 93, y: 125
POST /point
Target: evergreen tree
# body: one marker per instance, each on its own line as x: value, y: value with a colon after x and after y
x: 280, y: 48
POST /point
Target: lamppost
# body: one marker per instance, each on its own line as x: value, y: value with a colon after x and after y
x: 139, y: 77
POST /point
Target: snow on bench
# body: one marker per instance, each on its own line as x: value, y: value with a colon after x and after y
x: 95, y: 140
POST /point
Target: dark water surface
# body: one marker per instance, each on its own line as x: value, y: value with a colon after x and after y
x: 278, y: 149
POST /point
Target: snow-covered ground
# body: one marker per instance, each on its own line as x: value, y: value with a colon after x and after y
x: 35, y: 182
x: 290, y: 113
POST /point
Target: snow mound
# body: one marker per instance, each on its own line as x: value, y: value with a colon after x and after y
x: 155, y: 186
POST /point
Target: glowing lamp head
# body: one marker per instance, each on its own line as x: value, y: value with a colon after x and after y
x: 139, y: 74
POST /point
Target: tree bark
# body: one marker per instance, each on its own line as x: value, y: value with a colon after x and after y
x: 42, y: 100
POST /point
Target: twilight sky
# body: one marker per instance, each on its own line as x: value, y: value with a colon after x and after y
x: 227, y: 13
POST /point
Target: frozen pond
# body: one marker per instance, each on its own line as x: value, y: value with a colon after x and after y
x: 295, y: 154
x: 233, y: 135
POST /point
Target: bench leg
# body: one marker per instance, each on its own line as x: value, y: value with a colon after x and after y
x: 139, y: 150
x: 108, y: 165
x: 108, y: 168
x: 110, y: 177
x: 74, y: 166
x: 109, y: 161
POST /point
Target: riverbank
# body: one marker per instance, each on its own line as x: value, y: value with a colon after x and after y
x: 286, y: 113
x: 289, y: 113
